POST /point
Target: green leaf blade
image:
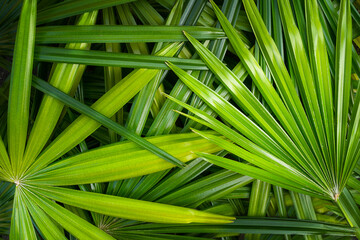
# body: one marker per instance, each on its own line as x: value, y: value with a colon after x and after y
x: 130, y: 208
x: 20, y: 85
x: 342, y: 84
x: 121, y: 161
x: 101, y: 58
x: 123, y: 34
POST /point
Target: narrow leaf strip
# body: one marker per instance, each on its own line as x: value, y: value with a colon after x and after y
x: 102, y: 58
x: 342, y: 84
x: 123, y: 34
x: 20, y: 84
x: 277, y: 226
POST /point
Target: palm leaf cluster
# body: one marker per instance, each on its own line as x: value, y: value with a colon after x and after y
x: 135, y: 119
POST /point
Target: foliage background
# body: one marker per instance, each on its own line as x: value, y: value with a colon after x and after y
x: 262, y: 105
